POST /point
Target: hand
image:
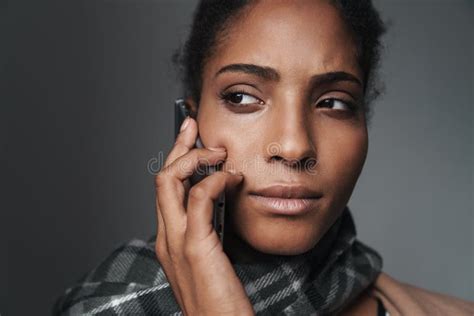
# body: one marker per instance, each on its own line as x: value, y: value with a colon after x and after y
x: 187, y: 246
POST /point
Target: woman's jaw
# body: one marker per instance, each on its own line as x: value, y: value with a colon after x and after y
x: 275, y: 232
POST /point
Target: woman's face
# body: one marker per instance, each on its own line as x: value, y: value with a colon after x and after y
x: 284, y: 113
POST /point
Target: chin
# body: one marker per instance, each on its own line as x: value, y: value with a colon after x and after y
x: 280, y: 236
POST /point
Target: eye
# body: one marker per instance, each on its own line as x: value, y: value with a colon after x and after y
x: 338, y: 104
x: 239, y: 98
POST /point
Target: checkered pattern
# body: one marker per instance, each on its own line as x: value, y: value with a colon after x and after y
x: 321, y: 281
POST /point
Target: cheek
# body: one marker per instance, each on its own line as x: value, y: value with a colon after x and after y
x: 219, y: 136
x: 217, y: 129
x: 342, y: 156
x: 213, y: 127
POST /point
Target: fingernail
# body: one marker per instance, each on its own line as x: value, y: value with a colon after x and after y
x: 216, y: 148
x: 235, y: 173
x: 184, y: 124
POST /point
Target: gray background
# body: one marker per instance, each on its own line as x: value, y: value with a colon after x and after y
x: 87, y: 90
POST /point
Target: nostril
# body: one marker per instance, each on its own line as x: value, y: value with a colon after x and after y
x: 304, y: 164
x: 292, y: 162
x: 289, y: 162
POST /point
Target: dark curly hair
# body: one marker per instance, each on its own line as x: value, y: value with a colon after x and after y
x: 212, y: 19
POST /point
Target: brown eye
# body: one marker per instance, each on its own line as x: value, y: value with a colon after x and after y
x: 337, y: 104
x: 236, y: 97
x: 240, y: 98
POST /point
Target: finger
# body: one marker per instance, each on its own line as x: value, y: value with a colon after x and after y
x: 171, y: 192
x: 184, y: 141
x: 201, y: 202
x: 166, y: 260
x: 162, y: 253
x: 169, y: 200
x: 183, y: 167
x: 161, y: 229
x: 183, y: 144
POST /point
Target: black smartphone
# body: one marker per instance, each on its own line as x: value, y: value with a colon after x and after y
x: 181, y: 111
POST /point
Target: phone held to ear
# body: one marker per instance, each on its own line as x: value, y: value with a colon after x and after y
x: 181, y: 111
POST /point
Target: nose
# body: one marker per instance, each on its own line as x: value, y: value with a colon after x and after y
x: 292, y: 143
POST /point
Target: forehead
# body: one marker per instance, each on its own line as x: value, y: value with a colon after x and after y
x: 298, y: 37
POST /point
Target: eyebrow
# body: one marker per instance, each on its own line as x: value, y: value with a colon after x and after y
x: 271, y: 74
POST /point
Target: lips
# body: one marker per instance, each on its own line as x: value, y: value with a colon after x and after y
x: 288, y: 192
x: 286, y: 199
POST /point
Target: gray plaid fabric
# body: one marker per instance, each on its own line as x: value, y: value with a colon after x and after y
x: 321, y: 281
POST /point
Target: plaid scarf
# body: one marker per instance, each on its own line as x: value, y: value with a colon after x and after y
x: 321, y: 281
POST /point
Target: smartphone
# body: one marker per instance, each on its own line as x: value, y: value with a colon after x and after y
x: 181, y: 111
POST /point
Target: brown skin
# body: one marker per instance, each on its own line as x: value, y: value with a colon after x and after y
x: 285, y: 122
x: 310, y: 38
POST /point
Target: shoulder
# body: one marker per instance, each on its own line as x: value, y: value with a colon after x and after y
x: 400, y: 298
x: 127, y: 277
x: 364, y: 304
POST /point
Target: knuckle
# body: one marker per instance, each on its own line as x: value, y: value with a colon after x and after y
x: 202, y: 156
x: 161, y: 179
x: 178, y: 144
x: 196, y: 155
x: 219, y: 177
x: 197, y: 193
x: 190, y: 251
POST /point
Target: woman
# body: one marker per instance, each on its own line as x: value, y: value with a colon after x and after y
x: 280, y: 91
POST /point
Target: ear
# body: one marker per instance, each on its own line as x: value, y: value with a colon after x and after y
x: 192, y: 106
